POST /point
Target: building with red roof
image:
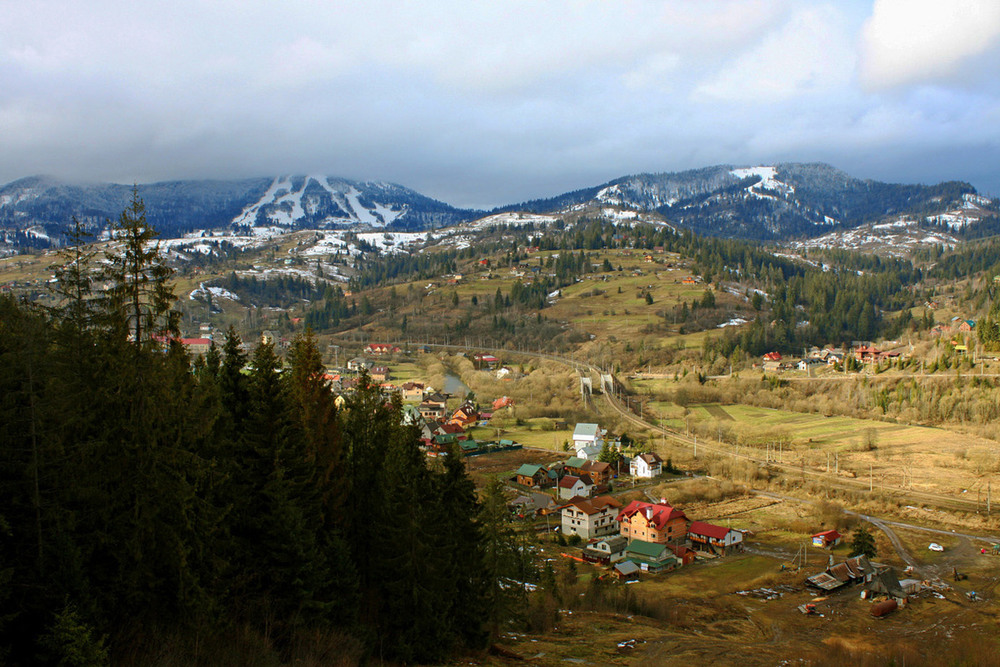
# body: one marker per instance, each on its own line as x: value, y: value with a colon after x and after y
x: 712, y: 538
x: 652, y: 522
x: 828, y: 538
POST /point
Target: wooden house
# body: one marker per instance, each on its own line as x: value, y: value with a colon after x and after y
x: 533, y: 475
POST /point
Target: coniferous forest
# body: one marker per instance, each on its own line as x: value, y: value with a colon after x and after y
x: 221, y: 511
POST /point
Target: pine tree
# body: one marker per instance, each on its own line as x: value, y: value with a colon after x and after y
x: 863, y: 543
x: 139, y: 299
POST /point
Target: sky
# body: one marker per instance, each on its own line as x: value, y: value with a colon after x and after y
x: 482, y: 104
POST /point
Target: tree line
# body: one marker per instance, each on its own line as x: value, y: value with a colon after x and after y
x: 227, y: 507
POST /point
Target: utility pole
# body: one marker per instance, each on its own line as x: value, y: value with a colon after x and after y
x: 871, y: 478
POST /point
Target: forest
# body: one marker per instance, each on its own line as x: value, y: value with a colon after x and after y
x: 155, y: 510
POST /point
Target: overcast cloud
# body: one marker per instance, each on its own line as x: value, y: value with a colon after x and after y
x: 481, y: 104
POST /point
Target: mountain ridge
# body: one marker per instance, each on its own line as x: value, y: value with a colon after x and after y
x: 777, y: 202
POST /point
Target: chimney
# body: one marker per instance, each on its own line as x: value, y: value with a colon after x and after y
x: 649, y: 514
x: 663, y: 501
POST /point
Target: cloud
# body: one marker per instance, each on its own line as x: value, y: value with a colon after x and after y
x: 926, y: 41
x: 810, y: 53
x: 475, y: 103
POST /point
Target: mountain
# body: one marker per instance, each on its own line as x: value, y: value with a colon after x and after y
x: 40, y: 208
x: 775, y: 202
x: 781, y: 202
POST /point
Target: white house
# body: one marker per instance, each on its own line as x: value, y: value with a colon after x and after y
x: 590, y: 518
x: 588, y: 441
x: 646, y: 465
x: 606, y: 550
x: 571, y: 486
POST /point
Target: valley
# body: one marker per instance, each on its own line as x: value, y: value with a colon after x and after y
x: 790, y: 389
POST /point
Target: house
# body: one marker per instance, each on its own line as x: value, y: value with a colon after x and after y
x: 413, y: 391
x: 867, y: 354
x: 715, y: 539
x: 827, y: 539
x: 465, y: 416
x: 358, y: 363
x: 588, y: 440
x: 431, y: 411
x: 651, y: 522
x: 574, y: 465
x: 683, y: 553
x: 647, y: 465
x: 532, y: 475
x: 503, y: 402
x: 534, y: 504
x: 433, y: 407
x: 605, y: 550
x: 482, y: 359
x: 380, y: 373
x: 381, y: 349
x: 598, y: 471
x: 591, y: 518
x: 571, y: 486
x: 772, y: 356
x: 651, y: 556
x: 967, y: 325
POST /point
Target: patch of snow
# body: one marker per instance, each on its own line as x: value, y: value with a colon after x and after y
x: 214, y: 291
x: 735, y: 322
x: 768, y: 182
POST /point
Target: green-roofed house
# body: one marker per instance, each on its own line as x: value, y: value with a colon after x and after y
x: 651, y: 557
x: 533, y: 475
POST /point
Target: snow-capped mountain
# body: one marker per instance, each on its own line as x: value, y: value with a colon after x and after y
x: 775, y: 202
x: 40, y: 208
x: 778, y: 202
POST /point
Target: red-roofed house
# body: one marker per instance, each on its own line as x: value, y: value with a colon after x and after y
x: 659, y: 523
x: 379, y: 349
x: 827, y: 539
x: 571, y: 486
x: 772, y: 356
x: 465, y: 416
x: 713, y: 538
x: 503, y: 402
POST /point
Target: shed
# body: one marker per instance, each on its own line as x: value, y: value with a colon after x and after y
x: 827, y: 539
x: 627, y: 570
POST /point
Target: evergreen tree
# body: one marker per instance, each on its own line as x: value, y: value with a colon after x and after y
x: 139, y: 299
x: 863, y: 543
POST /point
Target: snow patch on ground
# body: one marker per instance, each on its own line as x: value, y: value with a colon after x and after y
x: 216, y: 292
x: 769, y: 187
